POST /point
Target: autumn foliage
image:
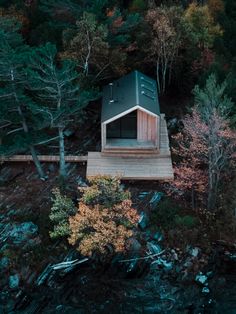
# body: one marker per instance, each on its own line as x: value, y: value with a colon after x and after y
x: 105, y: 218
x: 206, y: 149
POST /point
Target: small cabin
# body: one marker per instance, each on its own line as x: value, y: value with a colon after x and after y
x: 130, y: 119
x: 134, y: 137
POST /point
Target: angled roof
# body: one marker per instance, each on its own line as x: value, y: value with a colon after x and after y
x: 132, y: 91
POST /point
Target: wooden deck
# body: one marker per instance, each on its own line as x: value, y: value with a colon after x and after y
x: 130, y: 168
x: 135, y: 165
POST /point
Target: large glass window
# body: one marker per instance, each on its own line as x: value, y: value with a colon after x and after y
x: 125, y: 127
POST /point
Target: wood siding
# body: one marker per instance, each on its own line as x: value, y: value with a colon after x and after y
x: 147, y: 127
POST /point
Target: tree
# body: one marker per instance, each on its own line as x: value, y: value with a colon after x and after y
x: 57, y: 89
x: 166, y: 37
x: 100, y: 46
x: 105, y: 218
x: 201, y: 25
x: 62, y: 209
x: 18, y: 120
x: 215, y: 7
x: 89, y: 45
x: 207, y: 145
x: 214, y: 107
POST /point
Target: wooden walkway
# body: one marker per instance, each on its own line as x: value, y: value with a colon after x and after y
x: 164, y: 138
x: 43, y: 158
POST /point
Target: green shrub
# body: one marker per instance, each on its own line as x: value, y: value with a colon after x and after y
x: 165, y: 213
x: 62, y: 209
x: 186, y: 221
x: 104, y: 190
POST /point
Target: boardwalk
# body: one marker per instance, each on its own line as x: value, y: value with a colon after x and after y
x: 43, y: 158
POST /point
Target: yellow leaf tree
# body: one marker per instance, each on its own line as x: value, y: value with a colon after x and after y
x: 105, y: 219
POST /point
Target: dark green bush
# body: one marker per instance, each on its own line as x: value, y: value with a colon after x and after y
x: 186, y: 221
x: 62, y: 209
x: 165, y: 213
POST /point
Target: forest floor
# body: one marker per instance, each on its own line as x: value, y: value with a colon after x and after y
x: 148, y: 288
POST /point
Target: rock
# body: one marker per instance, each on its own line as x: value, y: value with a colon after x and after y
x: 14, y: 281
x: 201, y: 278
x: 132, y: 266
x: 158, y: 236
x: 4, y: 263
x: 167, y: 265
x: 188, y: 263
x: 24, y: 234
x: 143, y: 195
x: 80, y: 182
x: 194, y: 251
x: 147, y: 235
x: 134, y: 245
x: 143, y: 221
x: 210, y: 274
x: 205, y: 290
x: 174, y: 255
x: 153, y: 248
x: 51, y: 168
x: 7, y: 175
x: 69, y: 132
x: 157, y: 196
x: 23, y: 231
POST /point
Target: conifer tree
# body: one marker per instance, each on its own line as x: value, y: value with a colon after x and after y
x: 55, y: 86
x: 18, y: 119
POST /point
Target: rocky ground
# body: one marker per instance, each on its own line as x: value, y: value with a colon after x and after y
x: 38, y: 275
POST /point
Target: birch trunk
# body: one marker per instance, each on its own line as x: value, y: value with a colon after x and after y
x: 158, y: 77
x: 62, y: 168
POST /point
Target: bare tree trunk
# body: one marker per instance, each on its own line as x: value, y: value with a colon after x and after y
x: 213, y: 189
x: 158, y: 77
x: 32, y: 148
x: 193, y: 198
x: 37, y: 163
x: 62, y: 168
x: 164, y: 78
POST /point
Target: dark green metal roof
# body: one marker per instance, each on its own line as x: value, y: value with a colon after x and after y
x: 133, y: 89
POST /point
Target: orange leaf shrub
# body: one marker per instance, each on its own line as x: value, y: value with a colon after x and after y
x: 105, y: 218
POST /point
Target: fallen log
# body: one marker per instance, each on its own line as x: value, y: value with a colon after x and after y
x: 68, y: 264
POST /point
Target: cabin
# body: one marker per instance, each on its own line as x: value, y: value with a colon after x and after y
x: 134, y: 137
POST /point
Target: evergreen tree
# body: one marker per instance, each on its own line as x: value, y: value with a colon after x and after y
x: 56, y: 88
x: 18, y: 119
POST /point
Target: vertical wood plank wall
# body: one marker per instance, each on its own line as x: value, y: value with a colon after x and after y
x: 147, y: 127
